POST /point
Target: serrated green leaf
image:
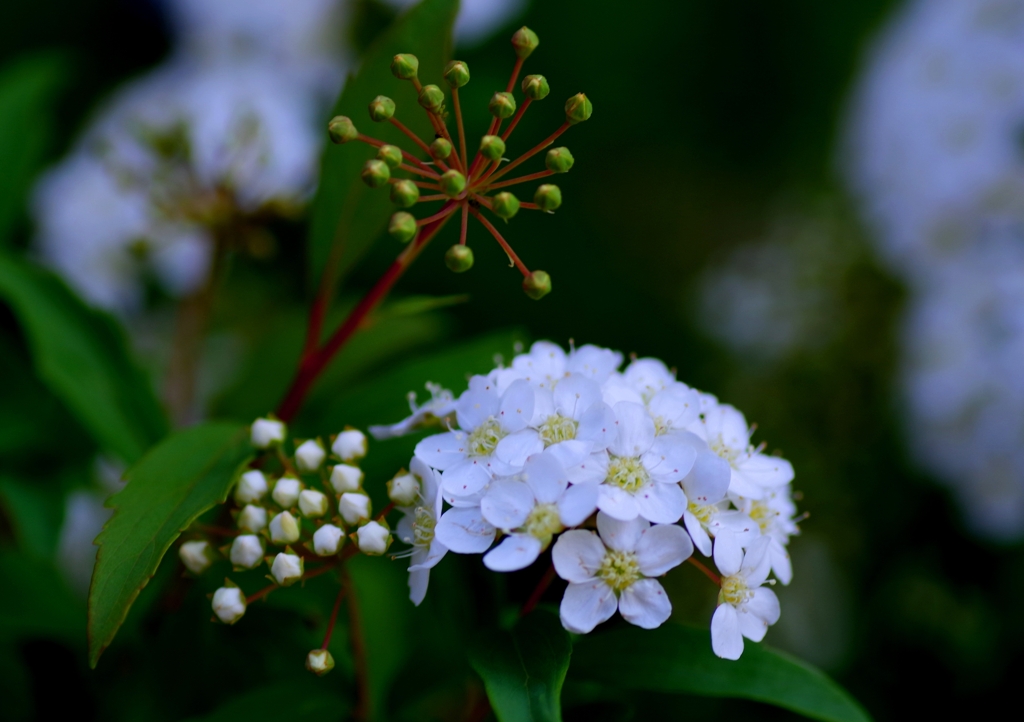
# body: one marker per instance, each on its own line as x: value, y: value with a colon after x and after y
x: 173, y: 484
x: 348, y: 216
x: 82, y: 356
x: 679, y: 659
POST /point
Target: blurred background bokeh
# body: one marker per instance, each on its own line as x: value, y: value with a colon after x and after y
x: 813, y: 210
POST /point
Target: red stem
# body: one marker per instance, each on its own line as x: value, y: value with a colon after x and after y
x: 362, y: 710
x: 502, y: 242
x: 515, y: 119
x: 334, y: 617
x: 538, y: 591
x: 515, y: 75
x: 520, y: 179
x: 405, y: 154
x: 458, y: 122
x: 418, y: 141
x: 532, y: 152
x: 707, y: 572
x: 465, y: 224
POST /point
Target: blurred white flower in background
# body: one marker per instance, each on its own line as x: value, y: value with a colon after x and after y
x: 478, y: 19
x: 934, y: 155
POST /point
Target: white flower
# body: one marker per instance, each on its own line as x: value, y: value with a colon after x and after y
x: 574, y: 411
x: 252, y: 518
x: 464, y: 530
x: 286, y: 491
x: 286, y: 569
x: 196, y: 556
x: 354, y: 507
x: 327, y: 540
x: 350, y: 445
x: 707, y: 509
x: 251, y: 486
x: 531, y: 508
x: 373, y: 538
x: 546, y: 364
x: 417, y: 527
x: 229, y: 604
x: 319, y: 662
x: 774, y: 517
x: 612, y: 571
x: 745, y: 608
x: 246, y: 551
x: 310, y: 455
x: 346, y: 478
x: 313, y: 503
x: 438, y: 410
x: 477, y: 19
x: 284, y: 529
x: 265, y: 433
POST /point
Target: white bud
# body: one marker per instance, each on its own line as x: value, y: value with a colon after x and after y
x: 350, y: 445
x: 247, y: 551
x: 252, y: 518
x: 284, y: 529
x: 197, y: 556
x: 286, y: 491
x: 267, y: 432
x: 286, y: 569
x: 373, y: 538
x: 229, y: 604
x: 319, y: 662
x: 310, y: 455
x: 251, y: 487
x: 327, y: 540
x: 346, y: 478
x: 313, y: 503
x: 354, y: 507
x: 404, y: 490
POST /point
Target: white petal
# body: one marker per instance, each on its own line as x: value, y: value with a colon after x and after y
x: 765, y: 471
x: 756, y: 562
x: 545, y: 475
x: 597, y: 427
x: 577, y: 555
x: 669, y: 459
x: 635, y: 430
x: 592, y: 470
x: 516, y: 406
x: 678, y: 406
x: 543, y: 406
x: 586, y: 605
x: 780, y: 562
x: 645, y: 603
x: 726, y: 638
x: 594, y: 362
x: 514, y: 449
x: 517, y: 551
x: 764, y: 604
x: 575, y: 395
x: 708, y: 480
x: 442, y: 450
x: 728, y: 553
x: 739, y: 485
x: 577, y: 504
x: 661, y: 548
x: 475, y: 407
x: 700, y: 537
x: 728, y: 424
x: 751, y: 626
x: 466, y: 478
x: 661, y: 503
x: 616, y: 389
x: 429, y: 557
x: 418, y: 581
x: 464, y: 531
x: 616, y: 502
x: 507, y: 503
x: 569, y: 453
x: 648, y: 375
x: 621, y: 535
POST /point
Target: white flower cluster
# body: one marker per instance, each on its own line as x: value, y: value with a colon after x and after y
x: 626, y: 472
x: 934, y: 157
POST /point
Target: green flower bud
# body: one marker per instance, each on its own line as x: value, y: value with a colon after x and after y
x: 456, y: 73
x: 492, y: 147
x: 502, y: 105
x: 375, y: 173
x: 405, y: 66
x: 404, y: 193
x: 559, y: 160
x: 535, y: 87
x: 453, y: 183
x: 402, y: 227
x: 381, y: 108
x: 537, y: 285
x: 459, y: 258
x: 440, y: 148
x: 578, y: 108
x: 505, y: 205
x: 431, y: 98
x: 525, y: 41
x: 548, y: 197
x: 390, y: 154
x: 341, y: 130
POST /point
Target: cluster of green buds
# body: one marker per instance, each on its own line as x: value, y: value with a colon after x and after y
x: 448, y: 176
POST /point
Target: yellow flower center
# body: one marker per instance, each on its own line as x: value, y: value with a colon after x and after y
x: 423, y: 527
x: 661, y: 427
x: 557, y: 428
x: 619, y: 569
x: 734, y: 591
x: 626, y: 472
x: 704, y: 514
x: 543, y: 523
x: 484, y: 439
x: 762, y: 514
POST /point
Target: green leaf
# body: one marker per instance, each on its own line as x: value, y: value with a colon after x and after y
x: 294, y: 701
x: 679, y: 659
x: 35, y: 510
x: 523, y: 670
x: 36, y: 602
x: 173, y: 484
x: 82, y: 355
x: 347, y: 215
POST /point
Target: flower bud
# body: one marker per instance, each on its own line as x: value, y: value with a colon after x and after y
x: 373, y: 538
x: 346, y: 478
x: 341, y: 130
x: 251, y: 487
x: 390, y: 154
x: 525, y: 41
x: 535, y: 87
x: 267, y: 432
x: 229, y: 604
x: 405, y: 193
x: 319, y: 662
x: 440, y: 148
x: 492, y: 147
x: 459, y: 258
x: 284, y: 529
x: 350, y: 445
x: 402, y: 226
x: 313, y: 503
x: 404, y: 489
x: 548, y: 197
x: 502, y: 105
x: 354, y: 507
x: 375, y: 173
x: 559, y: 160
x: 287, y: 569
x: 456, y: 73
x: 246, y: 551
x: 404, y: 66
x: 431, y: 98
x: 310, y: 455
x: 537, y: 285
x: 505, y: 205
x: 381, y: 108
x: 197, y: 556
x: 327, y: 540
x: 252, y: 518
x: 452, y: 183
x: 578, y: 109
x: 286, y: 491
